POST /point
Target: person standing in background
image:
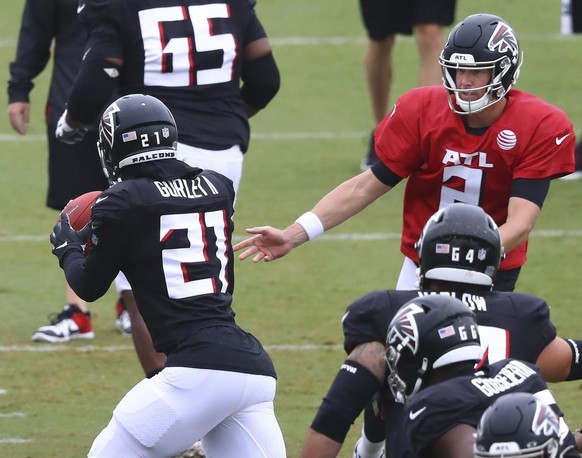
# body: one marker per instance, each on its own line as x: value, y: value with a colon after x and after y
x: 383, y: 20
x: 72, y: 169
x: 571, y: 23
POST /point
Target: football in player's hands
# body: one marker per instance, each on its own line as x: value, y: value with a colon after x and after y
x: 79, y: 209
x: 79, y: 212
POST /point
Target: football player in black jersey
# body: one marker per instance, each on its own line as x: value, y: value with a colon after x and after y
x: 435, y: 366
x: 210, y: 62
x: 168, y: 227
x: 460, y: 250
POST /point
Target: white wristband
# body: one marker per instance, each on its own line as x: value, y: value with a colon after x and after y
x: 312, y: 225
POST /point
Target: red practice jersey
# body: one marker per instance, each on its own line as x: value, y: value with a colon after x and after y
x: 423, y: 139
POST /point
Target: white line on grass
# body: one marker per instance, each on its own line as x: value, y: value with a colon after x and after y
x: 2, y: 392
x: 360, y: 40
x: 342, y: 237
x: 275, y: 136
x: 12, y: 415
x: 15, y: 440
x: 117, y: 348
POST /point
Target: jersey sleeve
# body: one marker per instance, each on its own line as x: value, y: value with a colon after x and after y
x: 255, y: 30
x: 397, y: 137
x: 535, y: 320
x: 366, y: 320
x: 99, y: 18
x: 104, y: 261
x: 550, y: 152
x: 37, y: 31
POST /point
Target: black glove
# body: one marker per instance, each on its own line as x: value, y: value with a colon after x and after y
x: 64, y: 238
x: 67, y: 134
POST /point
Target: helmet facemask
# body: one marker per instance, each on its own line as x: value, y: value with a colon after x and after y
x: 399, y: 371
x: 494, y: 90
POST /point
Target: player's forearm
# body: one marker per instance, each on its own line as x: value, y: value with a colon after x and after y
x: 349, y: 199
x: 317, y: 445
x: 521, y: 218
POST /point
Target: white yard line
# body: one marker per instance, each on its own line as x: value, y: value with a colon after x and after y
x: 12, y: 415
x: 49, y: 348
x: 360, y: 40
x: 341, y: 237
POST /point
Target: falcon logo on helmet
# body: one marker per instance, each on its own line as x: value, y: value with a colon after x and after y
x: 519, y: 425
x: 545, y: 421
x: 503, y: 39
x: 107, y: 125
x: 405, y: 328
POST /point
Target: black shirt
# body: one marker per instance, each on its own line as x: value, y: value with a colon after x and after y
x: 187, y: 53
x: 43, y: 21
x: 172, y: 240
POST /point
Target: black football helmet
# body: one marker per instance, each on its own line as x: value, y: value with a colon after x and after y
x: 460, y: 243
x: 518, y: 425
x: 428, y: 333
x: 135, y: 129
x: 481, y: 41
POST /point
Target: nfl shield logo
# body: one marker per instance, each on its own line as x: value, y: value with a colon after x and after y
x: 165, y: 132
x: 481, y: 254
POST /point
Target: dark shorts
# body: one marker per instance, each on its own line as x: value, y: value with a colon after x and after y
x: 383, y: 18
x: 72, y: 169
x: 505, y: 280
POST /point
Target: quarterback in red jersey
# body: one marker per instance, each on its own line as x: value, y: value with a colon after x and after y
x: 447, y: 160
x: 475, y: 141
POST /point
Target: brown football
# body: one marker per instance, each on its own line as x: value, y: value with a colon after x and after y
x: 79, y: 209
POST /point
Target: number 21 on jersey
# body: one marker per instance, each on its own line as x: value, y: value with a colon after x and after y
x: 177, y: 262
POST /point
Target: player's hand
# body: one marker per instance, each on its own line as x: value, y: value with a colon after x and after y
x: 68, y: 134
x: 269, y: 244
x: 19, y: 116
x: 65, y: 238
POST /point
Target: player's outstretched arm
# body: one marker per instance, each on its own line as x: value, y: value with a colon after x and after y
x: 270, y: 243
x: 345, y: 201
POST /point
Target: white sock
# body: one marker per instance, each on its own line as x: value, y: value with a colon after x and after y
x: 367, y: 449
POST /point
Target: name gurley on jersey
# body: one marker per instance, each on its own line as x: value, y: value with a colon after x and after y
x: 191, y: 189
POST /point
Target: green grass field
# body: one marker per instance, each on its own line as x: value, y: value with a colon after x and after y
x: 54, y: 399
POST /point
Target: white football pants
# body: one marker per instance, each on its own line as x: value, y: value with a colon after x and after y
x: 408, y: 278
x: 158, y: 418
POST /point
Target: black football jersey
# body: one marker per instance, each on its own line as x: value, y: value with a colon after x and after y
x: 172, y: 240
x: 510, y: 325
x: 462, y: 400
x: 187, y: 53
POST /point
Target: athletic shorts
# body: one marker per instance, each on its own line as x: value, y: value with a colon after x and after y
x: 383, y: 18
x: 72, y: 169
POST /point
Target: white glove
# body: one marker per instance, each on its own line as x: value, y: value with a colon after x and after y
x: 67, y: 134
